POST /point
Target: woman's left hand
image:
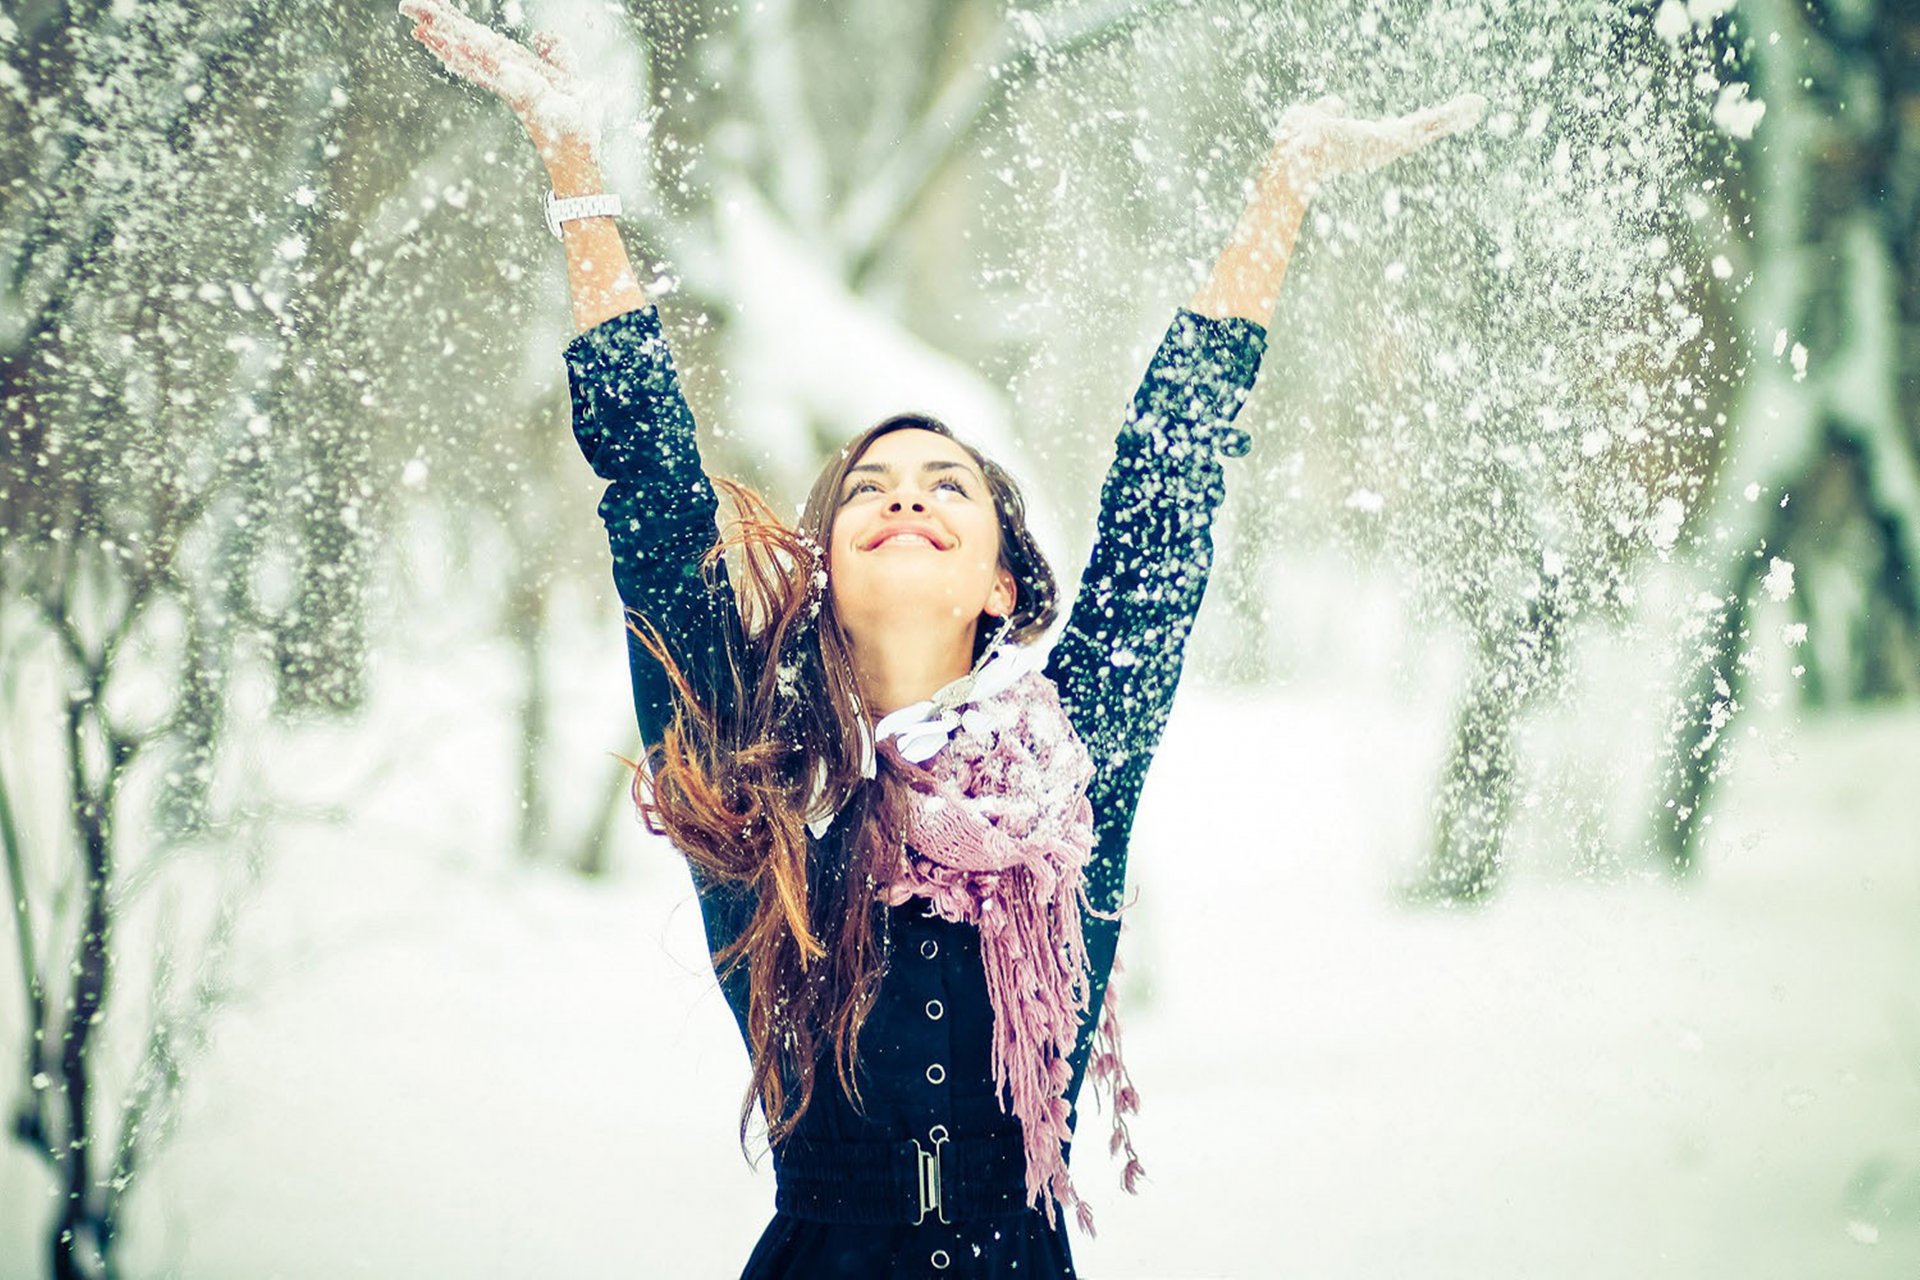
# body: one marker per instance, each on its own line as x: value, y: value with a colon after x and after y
x: 1315, y: 141
x: 1319, y: 140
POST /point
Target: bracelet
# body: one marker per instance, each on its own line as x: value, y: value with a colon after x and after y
x: 605, y: 205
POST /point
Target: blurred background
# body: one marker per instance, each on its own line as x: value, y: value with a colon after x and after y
x: 1528, y: 877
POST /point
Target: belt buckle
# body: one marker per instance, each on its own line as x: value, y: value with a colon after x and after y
x: 928, y: 1168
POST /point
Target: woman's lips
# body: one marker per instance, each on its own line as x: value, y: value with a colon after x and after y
x: 911, y: 533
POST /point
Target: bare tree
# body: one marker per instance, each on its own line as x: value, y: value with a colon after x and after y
x: 150, y: 344
x: 1821, y: 496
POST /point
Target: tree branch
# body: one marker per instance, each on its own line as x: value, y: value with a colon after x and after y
x: 32, y: 1123
x: 796, y: 161
x: 1020, y: 45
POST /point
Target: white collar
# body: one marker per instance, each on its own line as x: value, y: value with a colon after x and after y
x: 924, y: 727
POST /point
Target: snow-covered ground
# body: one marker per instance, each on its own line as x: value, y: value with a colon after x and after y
x: 444, y: 1066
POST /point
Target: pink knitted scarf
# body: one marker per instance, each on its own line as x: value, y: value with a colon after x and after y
x: 1000, y: 838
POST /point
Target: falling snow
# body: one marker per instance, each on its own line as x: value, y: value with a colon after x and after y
x: 1582, y: 444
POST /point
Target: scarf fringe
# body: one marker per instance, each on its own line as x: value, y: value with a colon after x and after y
x: 1108, y: 1070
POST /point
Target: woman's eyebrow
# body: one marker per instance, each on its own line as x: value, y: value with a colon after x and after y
x: 886, y: 469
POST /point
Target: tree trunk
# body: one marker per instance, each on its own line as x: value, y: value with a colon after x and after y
x: 1826, y: 427
x: 1515, y: 664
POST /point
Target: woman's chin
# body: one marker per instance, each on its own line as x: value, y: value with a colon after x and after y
x: 885, y: 598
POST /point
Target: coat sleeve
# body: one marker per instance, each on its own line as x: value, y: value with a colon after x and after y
x: 660, y: 509
x: 1118, y: 659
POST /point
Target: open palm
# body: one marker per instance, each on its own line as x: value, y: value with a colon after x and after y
x: 538, y: 84
x: 1321, y: 137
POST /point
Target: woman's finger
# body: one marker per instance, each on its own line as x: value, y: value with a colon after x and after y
x: 516, y: 84
x: 1452, y: 116
x: 536, y: 83
x: 467, y: 51
x: 556, y: 52
x: 504, y: 65
x: 444, y: 41
x: 441, y: 14
x: 458, y: 58
x: 1319, y: 139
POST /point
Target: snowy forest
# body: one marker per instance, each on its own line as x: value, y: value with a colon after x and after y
x: 1528, y: 879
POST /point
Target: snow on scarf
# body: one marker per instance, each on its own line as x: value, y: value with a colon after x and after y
x: 1000, y: 839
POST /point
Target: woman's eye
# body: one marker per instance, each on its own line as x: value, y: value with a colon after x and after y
x: 854, y: 489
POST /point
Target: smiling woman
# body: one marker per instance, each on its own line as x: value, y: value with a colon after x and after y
x: 916, y: 563
x: 906, y: 818
x: 919, y: 751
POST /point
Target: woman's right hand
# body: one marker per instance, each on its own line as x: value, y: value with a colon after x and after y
x: 538, y: 84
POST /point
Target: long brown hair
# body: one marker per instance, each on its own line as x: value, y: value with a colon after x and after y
x: 731, y: 782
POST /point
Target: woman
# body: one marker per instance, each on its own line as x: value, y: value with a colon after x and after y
x: 908, y: 826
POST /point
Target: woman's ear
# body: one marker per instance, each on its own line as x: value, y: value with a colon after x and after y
x: 1004, y: 596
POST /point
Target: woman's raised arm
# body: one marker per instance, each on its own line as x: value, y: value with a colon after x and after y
x: 540, y: 86
x: 1119, y: 658
x: 1314, y: 142
x: 629, y: 416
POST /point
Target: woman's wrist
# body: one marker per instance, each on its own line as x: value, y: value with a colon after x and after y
x: 1294, y: 170
x: 572, y: 169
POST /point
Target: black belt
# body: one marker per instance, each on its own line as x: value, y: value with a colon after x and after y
x: 943, y: 1180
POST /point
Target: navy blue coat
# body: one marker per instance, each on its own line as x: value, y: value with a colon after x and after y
x: 926, y: 1049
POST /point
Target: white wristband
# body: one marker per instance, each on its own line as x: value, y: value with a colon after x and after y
x: 606, y: 205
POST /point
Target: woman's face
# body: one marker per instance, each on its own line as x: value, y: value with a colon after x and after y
x: 915, y: 532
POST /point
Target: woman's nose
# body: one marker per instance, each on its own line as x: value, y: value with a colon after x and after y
x: 897, y: 503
